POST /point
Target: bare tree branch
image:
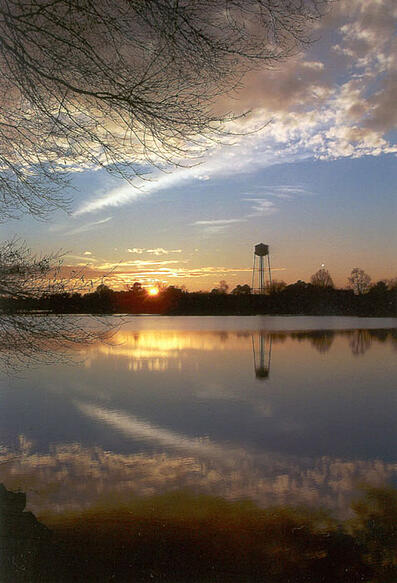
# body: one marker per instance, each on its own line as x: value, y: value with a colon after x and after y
x: 27, y: 339
x: 119, y: 83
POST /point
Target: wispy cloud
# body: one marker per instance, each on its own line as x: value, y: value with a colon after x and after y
x: 136, y: 263
x: 84, y: 259
x: 261, y: 207
x: 215, y: 222
x: 215, y: 226
x: 288, y: 191
x: 64, y: 229
x: 157, y: 251
x: 129, y: 193
x: 162, y: 251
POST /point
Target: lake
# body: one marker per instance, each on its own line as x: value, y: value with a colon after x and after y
x: 279, y: 411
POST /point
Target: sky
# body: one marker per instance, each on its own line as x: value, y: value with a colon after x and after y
x: 311, y: 171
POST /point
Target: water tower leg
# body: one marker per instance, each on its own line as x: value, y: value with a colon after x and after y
x: 262, y: 286
x: 270, y: 271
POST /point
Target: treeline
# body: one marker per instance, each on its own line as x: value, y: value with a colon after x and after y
x: 297, y: 298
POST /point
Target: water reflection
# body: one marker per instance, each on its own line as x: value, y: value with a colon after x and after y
x: 262, y: 353
x: 27, y: 340
x: 360, y: 342
x: 322, y: 340
x: 155, y: 350
x: 71, y: 477
x: 160, y: 411
x: 158, y: 350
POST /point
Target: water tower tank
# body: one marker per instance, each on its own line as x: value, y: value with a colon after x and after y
x: 261, y: 249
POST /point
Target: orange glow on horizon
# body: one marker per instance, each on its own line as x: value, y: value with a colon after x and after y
x: 153, y: 291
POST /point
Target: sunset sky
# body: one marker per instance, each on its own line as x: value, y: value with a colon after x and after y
x: 311, y: 171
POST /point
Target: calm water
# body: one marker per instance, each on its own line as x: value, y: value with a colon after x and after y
x: 274, y: 409
x: 277, y: 410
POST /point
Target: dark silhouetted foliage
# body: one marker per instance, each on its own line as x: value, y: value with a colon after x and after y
x: 297, y: 298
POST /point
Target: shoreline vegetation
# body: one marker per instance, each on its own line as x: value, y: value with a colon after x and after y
x: 299, y: 298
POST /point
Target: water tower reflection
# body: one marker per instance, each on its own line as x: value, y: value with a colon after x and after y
x: 262, y: 352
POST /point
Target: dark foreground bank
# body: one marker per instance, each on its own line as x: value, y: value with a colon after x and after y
x: 183, y: 537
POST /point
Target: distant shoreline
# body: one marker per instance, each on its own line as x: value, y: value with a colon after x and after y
x: 204, y: 315
x: 297, y: 299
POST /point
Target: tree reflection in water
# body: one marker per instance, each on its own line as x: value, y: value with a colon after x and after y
x: 322, y: 340
x: 360, y: 342
x: 27, y: 340
x: 182, y: 536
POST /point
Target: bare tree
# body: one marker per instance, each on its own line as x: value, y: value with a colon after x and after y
x: 359, y: 281
x: 109, y: 83
x: 322, y: 278
x: 31, y: 338
x: 24, y: 275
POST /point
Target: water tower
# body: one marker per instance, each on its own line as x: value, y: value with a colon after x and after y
x: 261, y: 251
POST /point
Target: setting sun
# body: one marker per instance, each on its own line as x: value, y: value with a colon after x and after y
x: 153, y: 291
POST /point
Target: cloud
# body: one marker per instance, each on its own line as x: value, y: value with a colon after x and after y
x: 215, y: 226
x: 135, y: 263
x: 336, y: 100
x: 162, y: 251
x: 118, y: 275
x: 261, y: 207
x: 156, y: 251
x: 214, y: 222
x: 248, y: 153
x: 129, y: 193
x: 87, y: 253
x: 81, y: 229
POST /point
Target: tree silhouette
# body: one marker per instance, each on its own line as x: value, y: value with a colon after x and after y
x: 137, y: 290
x: 24, y: 275
x: 241, y: 290
x: 275, y: 286
x: 322, y: 278
x: 222, y: 288
x: 359, y: 281
x: 26, y: 281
